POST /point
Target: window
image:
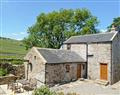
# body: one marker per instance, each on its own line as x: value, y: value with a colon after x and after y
x: 67, y: 68
x: 68, y: 46
x: 90, y: 55
x: 30, y: 67
x: 83, y: 67
x: 34, y: 57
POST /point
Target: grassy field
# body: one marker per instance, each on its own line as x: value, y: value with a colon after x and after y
x: 10, y: 48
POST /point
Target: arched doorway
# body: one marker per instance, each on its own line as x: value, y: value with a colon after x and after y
x: 29, y: 69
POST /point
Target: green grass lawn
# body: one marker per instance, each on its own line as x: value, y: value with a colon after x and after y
x: 10, y: 48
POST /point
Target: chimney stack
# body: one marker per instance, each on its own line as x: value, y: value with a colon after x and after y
x: 113, y: 28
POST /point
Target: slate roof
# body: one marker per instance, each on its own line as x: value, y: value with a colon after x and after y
x: 59, y: 56
x: 100, y: 37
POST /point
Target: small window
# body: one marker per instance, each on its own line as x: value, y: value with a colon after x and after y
x: 34, y: 57
x: 83, y: 67
x: 67, y: 68
x: 68, y: 46
x: 90, y: 55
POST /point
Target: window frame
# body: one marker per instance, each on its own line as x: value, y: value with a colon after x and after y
x: 67, y: 68
x: 68, y: 46
x: 30, y: 66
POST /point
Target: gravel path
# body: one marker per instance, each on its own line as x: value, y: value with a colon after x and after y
x: 5, y: 91
x: 88, y: 87
x: 2, y: 91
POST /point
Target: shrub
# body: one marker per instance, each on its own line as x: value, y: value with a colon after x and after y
x: 72, y: 94
x: 17, y: 62
x: 60, y: 93
x: 3, y: 72
x: 12, y: 61
x: 43, y: 90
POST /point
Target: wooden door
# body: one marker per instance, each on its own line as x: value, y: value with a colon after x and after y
x: 103, y: 72
x: 79, y: 71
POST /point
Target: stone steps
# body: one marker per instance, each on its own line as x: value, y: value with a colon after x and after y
x: 101, y: 82
x: 116, y: 85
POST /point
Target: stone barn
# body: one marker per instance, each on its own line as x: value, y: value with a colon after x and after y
x: 54, y: 66
x: 101, y: 53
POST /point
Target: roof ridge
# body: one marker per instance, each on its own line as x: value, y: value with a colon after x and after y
x: 52, y: 49
x: 114, y: 36
x: 88, y: 35
x: 93, y: 34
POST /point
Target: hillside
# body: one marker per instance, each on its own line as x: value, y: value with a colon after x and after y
x: 10, y: 48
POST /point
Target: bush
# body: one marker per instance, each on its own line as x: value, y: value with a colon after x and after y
x: 17, y: 62
x: 72, y: 94
x: 61, y: 93
x: 43, y: 90
x: 3, y: 72
x: 12, y: 61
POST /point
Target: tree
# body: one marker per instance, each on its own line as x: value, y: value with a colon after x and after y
x: 52, y: 29
x: 116, y: 23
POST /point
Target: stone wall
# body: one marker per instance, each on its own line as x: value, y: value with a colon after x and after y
x: 98, y: 53
x: 57, y: 74
x: 116, y: 59
x: 6, y: 79
x: 17, y: 70
x: 10, y: 68
x: 78, y: 48
x: 14, y: 70
x: 35, y: 68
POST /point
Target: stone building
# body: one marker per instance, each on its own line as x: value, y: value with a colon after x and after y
x: 94, y: 56
x: 53, y: 66
x: 101, y: 53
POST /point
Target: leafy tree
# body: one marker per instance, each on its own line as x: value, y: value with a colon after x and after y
x: 52, y: 29
x: 116, y: 23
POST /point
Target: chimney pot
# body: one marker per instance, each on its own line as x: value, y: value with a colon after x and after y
x: 113, y: 28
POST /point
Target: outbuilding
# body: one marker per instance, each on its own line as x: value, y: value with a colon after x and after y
x: 54, y: 66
